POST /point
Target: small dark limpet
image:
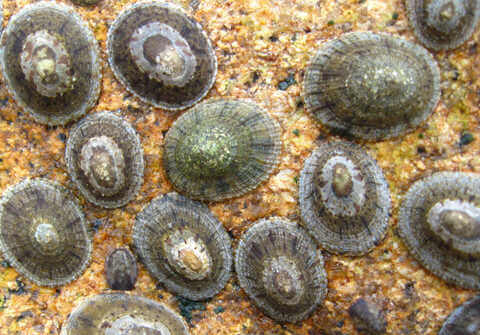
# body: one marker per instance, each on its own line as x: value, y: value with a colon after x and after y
x: 371, y: 86
x: 104, y: 158
x: 464, y: 320
x: 122, y: 314
x: 50, y: 62
x: 344, y: 198
x: 183, y: 246
x: 439, y: 220
x: 161, y: 55
x: 367, y: 317
x: 85, y: 2
x: 43, y: 232
x: 280, y: 269
x: 443, y: 24
x: 121, y: 269
x: 221, y: 149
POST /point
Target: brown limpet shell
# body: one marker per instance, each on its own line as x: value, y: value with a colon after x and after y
x: 121, y: 269
x: 183, y: 246
x: 344, y: 198
x: 49, y: 59
x: 43, y: 232
x: 123, y: 314
x: 104, y: 158
x: 280, y: 269
x: 161, y: 55
x: 464, y: 320
x: 439, y: 221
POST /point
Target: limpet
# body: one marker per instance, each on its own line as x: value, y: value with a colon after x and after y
x: 367, y: 317
x: 464, y: 320
x: 121, y: 269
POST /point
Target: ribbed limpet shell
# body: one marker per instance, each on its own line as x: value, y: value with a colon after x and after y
x: 161, y: 55
x: 371, y: 86
x: 280, y: 269
x: 443, y: 24
x: 43, y: 232
x: 221, y: 149
x: 183, y: 246
x: 50, y: 62
x: 344, y: 198
x: 104, y: 158
x: 122, y: 314
x: 439, y: 220
x: 121, y: 269
x: 464, y: 320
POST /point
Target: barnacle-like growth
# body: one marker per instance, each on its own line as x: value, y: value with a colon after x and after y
x: 183, y: 246
x: 43, y: 232
x: 279, y: 267
x: 439, y: 221
x: 50, y: 62
x: 121, y: 269
x: 221, y: 149
x: 465, y: 320
x: 371, y: 86
x: 344, y: 198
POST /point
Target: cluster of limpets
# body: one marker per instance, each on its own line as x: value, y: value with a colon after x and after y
x: 363, y: 85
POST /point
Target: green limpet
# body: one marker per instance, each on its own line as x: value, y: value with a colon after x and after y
x: 50, y: 62
x: 43, y: 232
x: 221, y: 149
x: 371, y: 86
x: 464, y: 320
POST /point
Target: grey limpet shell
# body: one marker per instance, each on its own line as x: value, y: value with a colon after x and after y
x: 367, y: 317
x: 446, y: 260
x: 351, y: 222
x: 464, y: 320
x: 121, y: 269
x: 443, y: 24
x: 184, y: 30
x: 221, y: 149
x: 43, y: 232
x: 66, y: 26
x: 123, y: 149
x: 183, y: 246
x: 371, y: 86
x: 280, y: 269
x: 119, y: 313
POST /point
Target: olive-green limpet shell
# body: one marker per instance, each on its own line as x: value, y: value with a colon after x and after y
x: 439, y: 221
x: 119, y: 313
x: 221, y: 149
x: 50, y: 62
x: 183, y: 246
x: 43, y: 232
x: 161, y: 55
x: 443, y: 24
x: 280, y: 269
x: 104, y: 158
x: 464, y: 320
x: 85, y: 2
x: 344, y: 198
x: 371, y: 86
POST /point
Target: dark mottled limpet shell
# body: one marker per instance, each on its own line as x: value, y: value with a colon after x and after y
x: 121, y: 269
x: 183, y: 246
x: 119, y: 313
x: 367, y: 317
x: 85, y: 2
x: 43, y: 232
x: 443, y: 24
x: 161, y: 55
x: 104, y: 158
x: 439, y: 221
x: 50, y: 62
x: 344, y: 198
x: 464, y: 320
x: 371, y: 86
x: 280, y: 269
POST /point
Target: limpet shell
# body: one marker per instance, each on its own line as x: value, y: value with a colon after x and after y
x: 367, y: 317
x: 464, y: 320
x: 183, y: 246
x: 436, y: 215
x: 280, y: 269
x: 161, y: 55
x: 344, y: 198
x: 50, y: 62
x: 371, y: 86
x: 221, y: 149
x: 121, y: 269
x: 43, y: 232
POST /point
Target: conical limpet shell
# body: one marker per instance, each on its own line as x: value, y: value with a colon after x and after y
x: 43, y: 232
x: 464, y: 320
x: 221, y: 149
x: 344, y: 198
x: 50, y: 62
x: 280, y: 269
x: 121, y: 269
x: 439, y: 220
x: 371, y: 86
x: 161, y: 55
x: 183, y: 246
